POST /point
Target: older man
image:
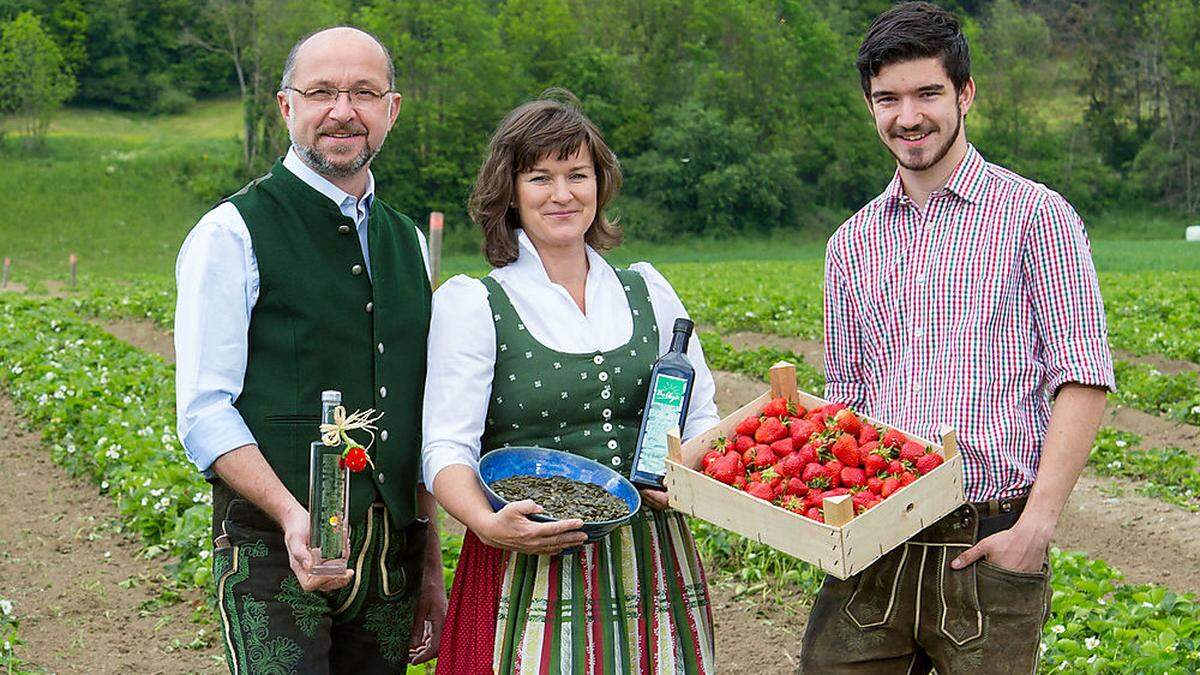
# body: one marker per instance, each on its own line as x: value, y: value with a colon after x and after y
x: 300, y: 282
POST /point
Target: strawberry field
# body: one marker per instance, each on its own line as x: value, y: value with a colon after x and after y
x: 105, y: 411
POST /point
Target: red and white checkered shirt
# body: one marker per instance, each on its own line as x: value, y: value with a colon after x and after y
x: 970, y: 313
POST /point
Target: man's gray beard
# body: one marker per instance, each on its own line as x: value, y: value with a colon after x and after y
x: 324, y: 166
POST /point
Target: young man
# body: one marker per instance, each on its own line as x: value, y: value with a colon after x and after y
x: 964, y: 295
x: 304, y: 281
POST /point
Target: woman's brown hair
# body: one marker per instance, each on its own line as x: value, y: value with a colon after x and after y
x: 535, y: 130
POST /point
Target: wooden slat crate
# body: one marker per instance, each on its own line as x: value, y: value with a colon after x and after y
x: 845, y: 544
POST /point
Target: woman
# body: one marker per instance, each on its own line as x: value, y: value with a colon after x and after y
x: 554, y: 348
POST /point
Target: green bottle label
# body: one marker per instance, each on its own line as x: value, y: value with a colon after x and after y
x: 665, y: 406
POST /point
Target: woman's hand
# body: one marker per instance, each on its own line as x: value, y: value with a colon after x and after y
x: 510, y: 528
x: 655, y: 499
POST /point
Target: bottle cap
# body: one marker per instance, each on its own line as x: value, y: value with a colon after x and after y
x: 331, y: 396
x: 684, y: 325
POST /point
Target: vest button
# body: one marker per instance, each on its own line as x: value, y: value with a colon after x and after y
x: 356, y: 269
x: 607, y: 426
x: 607, y: 412
x: 383, y: 435
x: 612, y: 444
x: 380, y: 347
x: 380, y: 476
x: 603, y: 376
x: 606, y: 394
x: 370, y: 307
x: 383, y: 392
x: 344, y: 229
x: 597, y: 359
x: 616, y: 461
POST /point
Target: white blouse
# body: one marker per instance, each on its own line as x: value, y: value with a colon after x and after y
x: 462, y: 345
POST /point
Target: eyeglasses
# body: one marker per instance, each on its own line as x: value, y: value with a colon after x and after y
x: 360, y: 97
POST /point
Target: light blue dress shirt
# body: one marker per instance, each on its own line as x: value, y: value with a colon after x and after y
x: 216, y: 275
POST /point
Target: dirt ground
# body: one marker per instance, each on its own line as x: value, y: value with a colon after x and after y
x: 62, y: 565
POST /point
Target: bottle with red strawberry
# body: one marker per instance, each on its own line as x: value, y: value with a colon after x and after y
x: 329, y: 497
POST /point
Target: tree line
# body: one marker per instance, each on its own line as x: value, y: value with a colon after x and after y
x: 728, y: 115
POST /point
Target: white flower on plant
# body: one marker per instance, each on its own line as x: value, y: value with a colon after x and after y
x: 1121, y: 443
x: 1091, y: 659
x: 144, y: 501
x: 113, y: 453
x: 104, y: 485
x: 1196, y: 410
x: 1148, y: 605
x: 70, y: 448
x: 1091, y: 642
x: 1058, y: 629
x: 6, y: 606
x: 1042, y: 647
x: 204, y: 553
x: 17, y: 369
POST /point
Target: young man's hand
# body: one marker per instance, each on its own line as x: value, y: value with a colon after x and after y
x: 295, y: 536
x: 1022, y: 548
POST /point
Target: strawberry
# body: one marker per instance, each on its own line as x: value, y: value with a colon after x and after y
x: 817, y: 419
x: 832, y: 409
x: 801, y: 411
x: 770, y: 431
x: 848, y: 422
x: 837, y: 492
x: 793, y: 504
x: 783, y: 446
x: 911, y: 451
x: 796, y: 487
x: 802, y: 430
x: 868, y: 434
x: 895, y: 467
x: 791, y: 466
x: 873, y: 464
x: 748, y: 426
x: 813, y: 471
x: 864, y: 500
x: 770, y: 477
x: 875, y: 484
x: 776, y: 407
x: 814, y: 498
x: 726, y: 471
x: 929, y: 462
x: 710, y: 459
x: 807, y: 453
x: 739, y: 481
x: 893, y: 439
x: 834, y: 469
x: 743, y: 443
x: 869, y: 446
x: 853, y: 477
x: 762, y: 491
x: 355, y: 458
x: 845, y: 448
x: 907, y: 478
x: 814, y: 513
x: 763, y: 457
x: 890, y: 485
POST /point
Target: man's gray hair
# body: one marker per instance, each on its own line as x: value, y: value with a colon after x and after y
x: 289, y: 66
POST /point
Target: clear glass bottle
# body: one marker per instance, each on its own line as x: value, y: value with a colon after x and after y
x: 328, y: 499
x: 666, y: 407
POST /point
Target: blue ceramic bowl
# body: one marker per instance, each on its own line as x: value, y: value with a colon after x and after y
x: 544, y: 462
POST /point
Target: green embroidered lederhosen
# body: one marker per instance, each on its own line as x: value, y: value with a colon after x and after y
x: 270, y: 625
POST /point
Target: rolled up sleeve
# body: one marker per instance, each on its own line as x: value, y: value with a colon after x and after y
x: 1067, y: 307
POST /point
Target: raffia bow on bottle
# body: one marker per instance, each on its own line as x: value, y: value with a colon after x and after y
x: 355, y: 455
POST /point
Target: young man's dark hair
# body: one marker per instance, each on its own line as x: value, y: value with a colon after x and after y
x: 915, y: 30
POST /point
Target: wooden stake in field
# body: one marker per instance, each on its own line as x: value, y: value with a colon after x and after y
x: 4, y: 280
x: 73, y: 260
x: 435, y: 247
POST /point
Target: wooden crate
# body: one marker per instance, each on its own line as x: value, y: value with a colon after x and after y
x: 845, y: 544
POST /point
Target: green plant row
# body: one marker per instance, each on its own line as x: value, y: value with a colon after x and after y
x: 143, y: 298
x: 10, y: 640
x: 1144, y: 387
x: 757, y: 362
x: 1154, y: 313
x: 1171, y: 474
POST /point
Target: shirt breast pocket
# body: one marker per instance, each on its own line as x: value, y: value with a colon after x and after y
x: 978, y: 303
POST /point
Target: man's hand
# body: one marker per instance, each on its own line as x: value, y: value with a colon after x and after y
x: 300, y: 558
x: 1022, y: 548
x: 430, y: 615
x: 655, y: 499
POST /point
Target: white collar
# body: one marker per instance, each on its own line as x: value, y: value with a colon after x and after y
x: 529, y: 263
x: 316, y: 181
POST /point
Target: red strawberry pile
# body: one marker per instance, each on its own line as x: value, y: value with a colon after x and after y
x: 795, y: 458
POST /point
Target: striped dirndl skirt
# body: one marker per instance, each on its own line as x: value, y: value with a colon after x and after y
x: 635, y: 602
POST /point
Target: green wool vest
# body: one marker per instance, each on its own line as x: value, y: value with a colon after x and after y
x: 588, y: 404
x: 322, y: 323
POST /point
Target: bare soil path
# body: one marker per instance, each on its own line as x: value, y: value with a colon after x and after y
x: 63, y: 563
